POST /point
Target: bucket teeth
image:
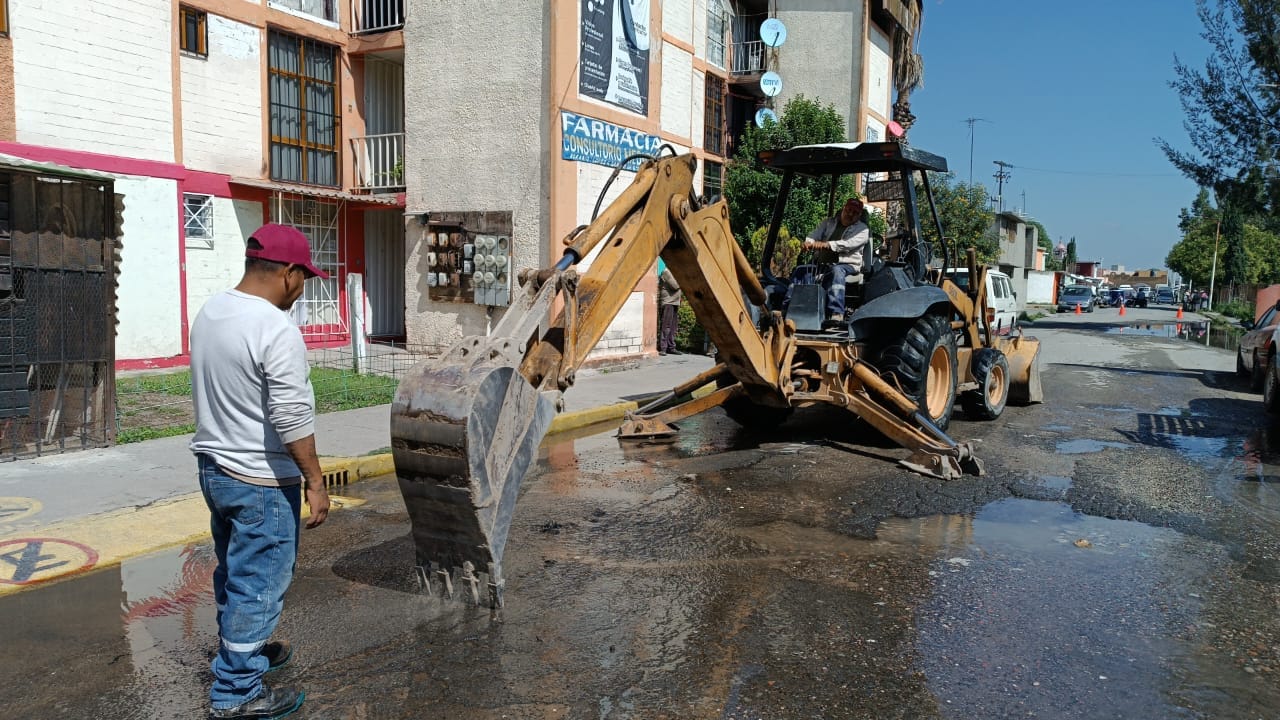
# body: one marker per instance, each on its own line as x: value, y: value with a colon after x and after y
x: 461, y: 584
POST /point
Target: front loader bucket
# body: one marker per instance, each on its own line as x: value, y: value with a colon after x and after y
x: 1023, y: 354
x: 462, y: 437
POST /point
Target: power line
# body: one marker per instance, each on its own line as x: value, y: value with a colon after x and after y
x: 1001, y: 175
x: 1094, y: 172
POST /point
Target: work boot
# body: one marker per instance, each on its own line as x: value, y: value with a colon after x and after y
x: 278, y: 653
x: 272, y: 703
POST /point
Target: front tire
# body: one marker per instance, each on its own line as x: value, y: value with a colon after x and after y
x: 991, y: 370
x: 1257, y: 374
x: 923, y: 361
x: 1271, y: 388
x: 1241, y: 370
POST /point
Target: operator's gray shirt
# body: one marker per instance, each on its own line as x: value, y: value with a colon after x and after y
x: 848, y: 247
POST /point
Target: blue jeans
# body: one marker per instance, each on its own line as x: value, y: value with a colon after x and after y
x: 255, y: 535
x: 835, y: 290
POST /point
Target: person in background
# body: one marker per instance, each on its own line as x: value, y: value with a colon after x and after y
x: 669, y: 297
x: 839, y: 241
x: 256, y: 449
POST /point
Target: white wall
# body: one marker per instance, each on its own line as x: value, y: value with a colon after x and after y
x: 1039, y: 287
x: 677, y: 71
x: 214, y: 267
x: 95, y: 76
x: 677, y: 19
x: 222, y: 101
x: 878, y: 71
x: 149, y: 298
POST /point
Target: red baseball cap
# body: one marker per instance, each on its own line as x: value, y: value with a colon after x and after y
x: 283, y: 244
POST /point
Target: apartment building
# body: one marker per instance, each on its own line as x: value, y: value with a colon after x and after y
x: 518, y: 112
x: 212, y: 117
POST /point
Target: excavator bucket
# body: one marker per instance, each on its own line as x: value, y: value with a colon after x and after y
x: 1023, y: 354
x: 463, y: 436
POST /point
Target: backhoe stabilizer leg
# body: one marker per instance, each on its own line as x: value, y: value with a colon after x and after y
x: 945, y: 463
x: 641, y: 427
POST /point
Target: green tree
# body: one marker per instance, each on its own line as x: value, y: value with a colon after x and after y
x: 966, y: 219
x: 751, y: 189
x: 1232, y: 105
x: 1072, y: 258
x: 1235, y: 260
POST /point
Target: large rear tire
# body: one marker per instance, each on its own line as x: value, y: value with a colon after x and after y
x: 923, y: 361
x: 991, y: 370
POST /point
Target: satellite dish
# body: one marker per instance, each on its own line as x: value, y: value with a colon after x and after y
x: 773, y: 32
x: 771, y: 83
x: 764, y: 115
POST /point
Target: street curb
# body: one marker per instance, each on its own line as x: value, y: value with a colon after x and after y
x: 107, y: 539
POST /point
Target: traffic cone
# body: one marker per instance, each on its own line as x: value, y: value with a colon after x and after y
x: 1179, y: 312
x: 1077, y: 308
x: 1121, y: 309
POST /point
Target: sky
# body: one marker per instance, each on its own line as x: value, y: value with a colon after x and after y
x: 1072, y: 94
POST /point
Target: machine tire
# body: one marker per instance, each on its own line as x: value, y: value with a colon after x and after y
x: 1241, y: 371
x: 1256, y: 375
x: 1271, y: 388
x: 923, y: 361
x: 750, y: 415
x: 991, y: 370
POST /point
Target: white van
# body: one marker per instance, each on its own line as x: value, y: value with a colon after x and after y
x: 1000, y: 296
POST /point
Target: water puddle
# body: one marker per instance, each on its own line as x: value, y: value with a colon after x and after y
x: 1213, y: 334
x: 1082, y: 446
x: 1197, y: 448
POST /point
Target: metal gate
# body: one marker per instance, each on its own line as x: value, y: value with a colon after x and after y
x: 319, y: 311
x: 57, y: 310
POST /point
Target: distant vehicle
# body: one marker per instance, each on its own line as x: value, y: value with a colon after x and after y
x: 1074, y: 296
x: 1140, y: 296
x: 1165, y: 296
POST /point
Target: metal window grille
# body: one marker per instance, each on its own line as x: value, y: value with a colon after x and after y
x: 319, y: 311
x: 303, y: 93
x: 369, y: 16
x: 713, y: 117
x: 323, y: 9
x: 712, y: 178
x: 197, y: 216
x: 193, y: 31
x: 717, y: 29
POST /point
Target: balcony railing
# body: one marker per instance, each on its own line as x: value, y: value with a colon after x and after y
x: 370, y: 16
x: 378, y: 161
x: 748, y: 57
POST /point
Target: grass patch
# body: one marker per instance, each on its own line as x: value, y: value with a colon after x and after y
x: 159, y: 404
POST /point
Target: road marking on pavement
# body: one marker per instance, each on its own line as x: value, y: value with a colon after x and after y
x: 13, y: 509
x: 24, y: 561
x: 107, y: 539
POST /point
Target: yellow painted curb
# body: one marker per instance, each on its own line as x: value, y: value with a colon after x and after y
x: 575, y: 419
x: 78, y: 545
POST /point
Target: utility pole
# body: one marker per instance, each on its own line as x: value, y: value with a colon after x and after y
x: 1024, y: 202
x: 1000, y: 176
x: 1214, y: 272
x: 970, y: 122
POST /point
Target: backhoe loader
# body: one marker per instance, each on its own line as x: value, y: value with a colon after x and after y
x: 466, y: 426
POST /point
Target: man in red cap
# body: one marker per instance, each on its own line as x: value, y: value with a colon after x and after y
x: 255, y: 445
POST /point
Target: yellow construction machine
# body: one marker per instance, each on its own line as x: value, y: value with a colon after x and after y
x: 465, y: 427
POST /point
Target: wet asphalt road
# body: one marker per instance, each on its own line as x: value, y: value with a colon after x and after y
x: 1120, y: 559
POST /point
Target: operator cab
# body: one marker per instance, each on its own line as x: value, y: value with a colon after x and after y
x: 890, y: 171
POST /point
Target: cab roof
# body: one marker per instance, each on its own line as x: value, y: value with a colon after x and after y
x: 846, y: 158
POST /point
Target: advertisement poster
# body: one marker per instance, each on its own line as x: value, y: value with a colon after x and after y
x: 614, y: 54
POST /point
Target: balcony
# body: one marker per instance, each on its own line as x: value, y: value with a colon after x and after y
x: 325, y: 10
x: 378, y: 161
x: 748, y: 58
x: 372, y: 16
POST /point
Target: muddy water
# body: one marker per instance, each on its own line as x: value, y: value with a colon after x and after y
x: 1117, y: 569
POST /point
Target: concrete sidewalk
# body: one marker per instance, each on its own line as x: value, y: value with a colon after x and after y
x: 119, y: 502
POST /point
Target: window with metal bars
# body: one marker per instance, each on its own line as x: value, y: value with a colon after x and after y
x: 717, y: 30
x: 713, y: 116
x: 303, y: 93
x: 712, y: 178
x: 197, y: 217
x: 193, y: 31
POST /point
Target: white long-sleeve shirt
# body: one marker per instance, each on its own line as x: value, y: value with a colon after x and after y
x: 250, y: 387
x: 847, y: 247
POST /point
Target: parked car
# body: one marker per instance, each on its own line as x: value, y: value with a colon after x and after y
x: 1165, y: 296
x: 1000, y: 296
x: 1271, y: 380
x: 1256, y: 347
x: 1073, y: 296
